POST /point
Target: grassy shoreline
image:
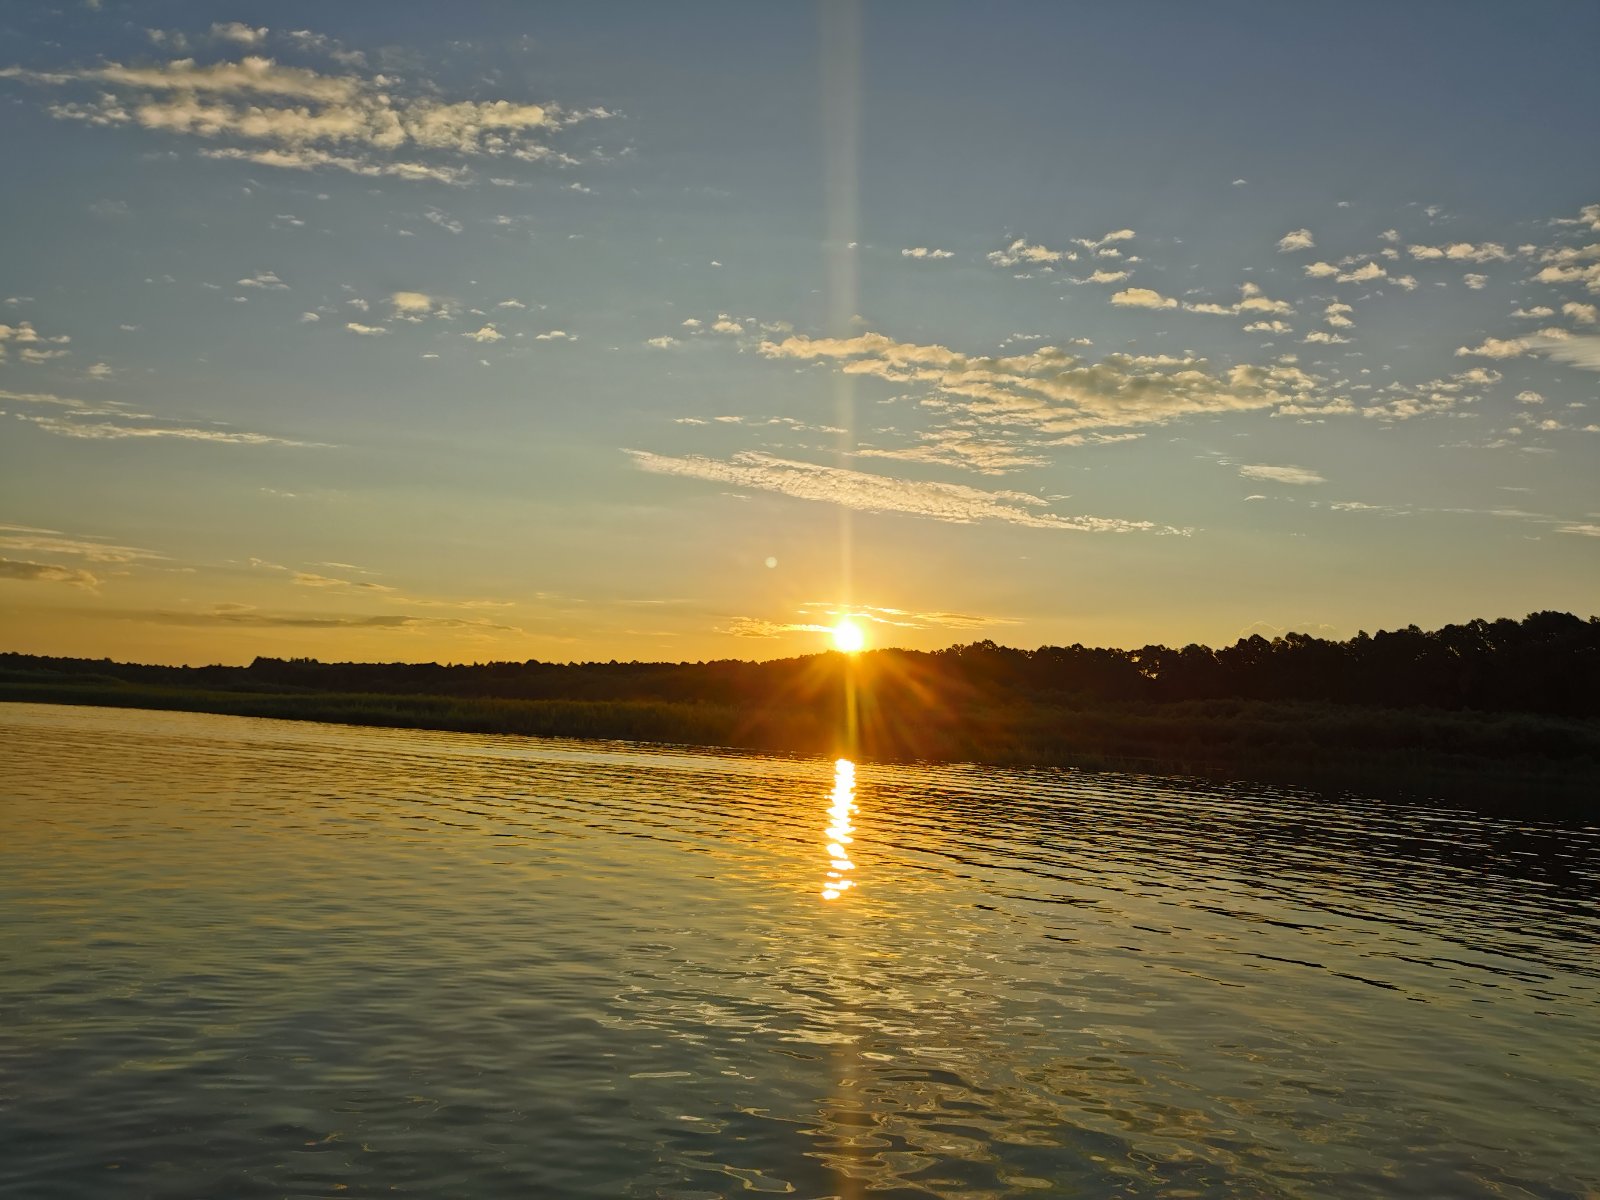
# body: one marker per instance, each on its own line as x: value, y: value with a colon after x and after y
x: 1514, y: 762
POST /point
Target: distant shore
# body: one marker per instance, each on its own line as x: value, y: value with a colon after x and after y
x: 1513, y: 761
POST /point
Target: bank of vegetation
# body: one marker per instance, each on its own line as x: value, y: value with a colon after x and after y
x: 1504, y: 708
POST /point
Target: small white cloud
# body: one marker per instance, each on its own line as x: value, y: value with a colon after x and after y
x: 1326, y: 338
x: 1320, y: 270
x: 662, y: 343
x: 1296, y: 239
x: 263, y: 279
x: 411, y: 302
x: 1267, y: 327
x: 555, y: 335
x: 238, y: 31
x: 1022, y: 252
x: 1537, y: 313
x: 1497, y: 348
x: 1529, y: 398
x: 511, y: 304
x: 1363, y: 274
x: 1583, y: 314
x: 486, y: 334
x: 1299, y: 476
x: 307, y: 317
x: 1103, y: 276
x: 365, y: 330
x: 1142, y: 298
x: 925, y: 252
x: 1475, y: 282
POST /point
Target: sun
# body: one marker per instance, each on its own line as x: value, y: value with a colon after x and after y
x: 848, y: 636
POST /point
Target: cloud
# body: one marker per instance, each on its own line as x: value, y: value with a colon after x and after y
x: 49, y: 541
x: 759, y: 627
x: 1578, y: 350
x: 555, y: 335
x: 1298, y: 476
x: 1462, y: 252
x: 1497, y: 348
x: 1325, y: 338
x: 962, y: 448
x: 1103, y: 276
x: 1296, y: 239
x: 950, y: 502
x: 1529, y: 397
x: 238, y: 31
x: 264, y: 279
x: 1267, y: 327
x: 662, y: 343
x: 1142, y: 298
x: 365, y: 330
x: 1100, y: 243
x: 1568, y: 268
x: 294, y: 117
x: 1581, y: 530
x: 925, y: 252
x: 1583, y: 314
x: 1362, y: 274
x: 11, y: 568
x: 488, y: 333
x: 244, y: 615
x: 1054, y: 392
x: 40, y: 398
x: 412, y: 304
x: 1022, y: 253
x: 115, y: 429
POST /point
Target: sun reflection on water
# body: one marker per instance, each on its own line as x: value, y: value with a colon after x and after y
x: 842, y: 803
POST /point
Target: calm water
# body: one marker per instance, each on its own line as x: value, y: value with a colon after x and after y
x: 246, y: 958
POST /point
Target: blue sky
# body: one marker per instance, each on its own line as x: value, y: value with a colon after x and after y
x: 677, y: 331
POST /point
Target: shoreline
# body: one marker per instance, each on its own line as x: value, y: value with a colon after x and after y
x: 1514, y: 763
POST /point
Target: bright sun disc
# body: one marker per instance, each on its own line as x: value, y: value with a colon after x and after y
x: 848, y: 636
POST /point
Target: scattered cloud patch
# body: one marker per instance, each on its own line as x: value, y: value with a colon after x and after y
x: 1021, y: 252
x: 864, y: 492
x: 1298, y: 476
x: 1142, y: 298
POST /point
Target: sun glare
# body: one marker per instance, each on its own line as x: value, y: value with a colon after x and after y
x: 848, y: 636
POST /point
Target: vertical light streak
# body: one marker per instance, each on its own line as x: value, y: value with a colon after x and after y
x: 841, y: 146
x: 841, y: 152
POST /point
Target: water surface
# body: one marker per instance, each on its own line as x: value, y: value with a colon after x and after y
x: 253, y: 958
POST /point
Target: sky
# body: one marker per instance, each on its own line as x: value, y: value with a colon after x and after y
x: 569, y: 332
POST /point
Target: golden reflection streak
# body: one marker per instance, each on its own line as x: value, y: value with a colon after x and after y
x: 842, y: 804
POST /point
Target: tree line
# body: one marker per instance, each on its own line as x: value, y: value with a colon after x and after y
x: 1545, y: 663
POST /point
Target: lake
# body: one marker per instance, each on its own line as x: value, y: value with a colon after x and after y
x: 245, y: 958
